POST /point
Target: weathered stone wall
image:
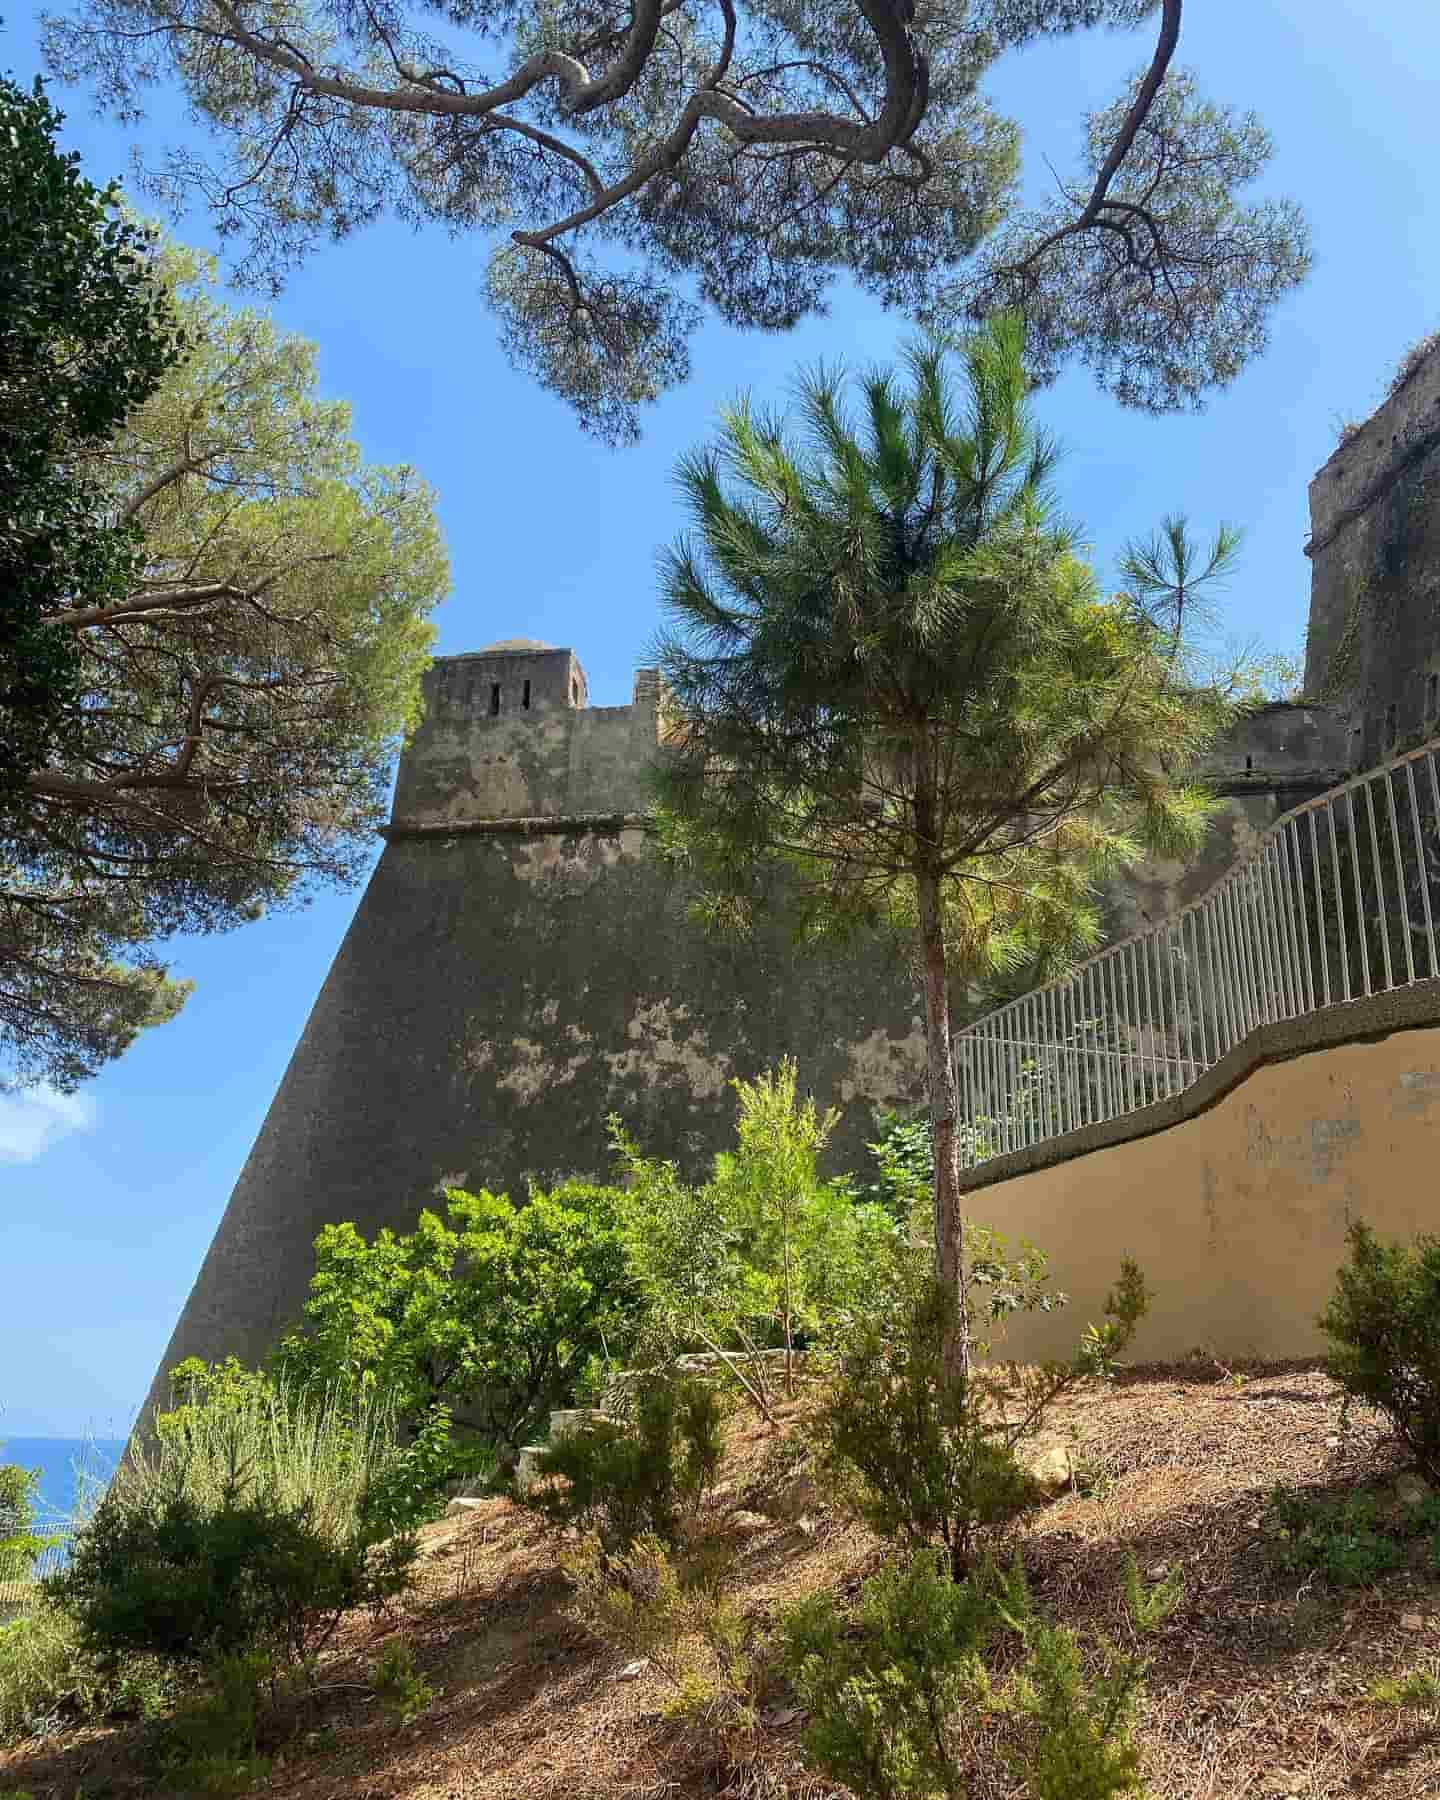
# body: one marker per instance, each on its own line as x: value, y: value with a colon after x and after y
x: 1271, y: 761
x: 504, y: 987
x: 1374, y: 638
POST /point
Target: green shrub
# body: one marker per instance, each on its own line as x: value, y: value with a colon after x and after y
x: 210, y: 1744
x: 20, y: 1544
x: 882, y: 1686
x: 894, y: 1692
x: 624, y: 1478
x: 401, y: 1689
x: 164, y: 1573
x: 334, y: 1452
x: 1412, y: 1687
x: 671, y: 1610
x: 246, y: 1526
x: 1384, y: 1322
x: 1350, y: 1540
x: 497, y: 1314
x: 762, y: 1260
x: 919, y: 1454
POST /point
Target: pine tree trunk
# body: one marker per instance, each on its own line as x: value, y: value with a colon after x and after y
x: 944, y: 1106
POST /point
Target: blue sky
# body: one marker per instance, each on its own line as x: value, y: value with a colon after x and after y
x: 109, y: 1199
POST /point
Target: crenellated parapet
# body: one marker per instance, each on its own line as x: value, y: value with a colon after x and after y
x: 508, y: 735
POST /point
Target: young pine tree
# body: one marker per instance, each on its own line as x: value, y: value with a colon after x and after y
x: 889, y: 670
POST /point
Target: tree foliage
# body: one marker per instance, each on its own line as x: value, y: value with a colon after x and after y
x: 638, y: 165
x: 765, y: 1254
x: 238, y: 703
x: 86, y: 335
x: 496, y: 1311
x: 889, y: 670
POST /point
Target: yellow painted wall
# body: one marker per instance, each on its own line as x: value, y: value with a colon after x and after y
x: 1237, y: 1216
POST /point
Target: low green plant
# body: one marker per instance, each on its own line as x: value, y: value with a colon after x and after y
x: 1383, y: 1321
x: 672, y: 1610
x: 623, y: 1478
x: 1413, y: 1687
x: 1349, y: 1540
x: 346, y: 1454
x: 210, y: 1744
x: 904, y: 1154
x: 47, y: 1678
x: 398, y: 1684
x: 894, y: 1690
x: 919, y: 1453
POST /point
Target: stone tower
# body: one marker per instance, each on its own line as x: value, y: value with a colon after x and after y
x: 517, y: 969
x: 1373, y: 648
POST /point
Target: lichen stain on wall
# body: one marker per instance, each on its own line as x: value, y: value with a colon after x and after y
x: 882, y: 1068
x: 659, y: 1054
x: 535, y: 1068
x: 576, y: 859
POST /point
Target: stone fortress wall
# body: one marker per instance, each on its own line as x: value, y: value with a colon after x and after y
x: 518, y: 968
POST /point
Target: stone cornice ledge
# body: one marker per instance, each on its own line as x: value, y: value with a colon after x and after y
x: 1354, y: 1021
x: 543, y: 825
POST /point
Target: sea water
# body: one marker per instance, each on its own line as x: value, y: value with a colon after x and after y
x: 73, y: 1475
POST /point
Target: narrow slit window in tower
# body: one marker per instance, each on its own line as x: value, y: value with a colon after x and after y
x: 1432, y: 696
x: 494, y: 698
x: 1249, y: 765
x: 574, y: 692
x: 1390, y: 730
x: 525, y: 696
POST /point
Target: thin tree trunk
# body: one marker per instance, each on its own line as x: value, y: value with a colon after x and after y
x: 944, y: 1106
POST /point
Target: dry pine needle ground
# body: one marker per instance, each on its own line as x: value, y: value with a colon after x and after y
x: 1258, y: 1687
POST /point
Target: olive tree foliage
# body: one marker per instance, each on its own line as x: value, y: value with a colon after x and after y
x: 85, y: 335
x: 639, y: 162
x: 889, y: 671
x: 238, y: 705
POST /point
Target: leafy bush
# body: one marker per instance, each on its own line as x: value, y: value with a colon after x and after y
x: 622, y: 1479
x: 164, y: 1573
x: 1350, y: 1540
x: 20, y: 1544
x: 904, y: 1156
x: 673, y: 1611
x: 1384, y: 1322
x: 402, y: 1690
x: 246, y: 1526
x: 498, y: 1314
x: 765, y: 1257
x: 893, y: 1691
x: 918, y: 1453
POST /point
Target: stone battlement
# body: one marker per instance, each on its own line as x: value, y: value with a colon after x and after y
x: 508, y: 734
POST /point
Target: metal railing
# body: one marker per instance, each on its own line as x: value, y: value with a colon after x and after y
x: 1338, y: 901
x: 19, y: 1585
